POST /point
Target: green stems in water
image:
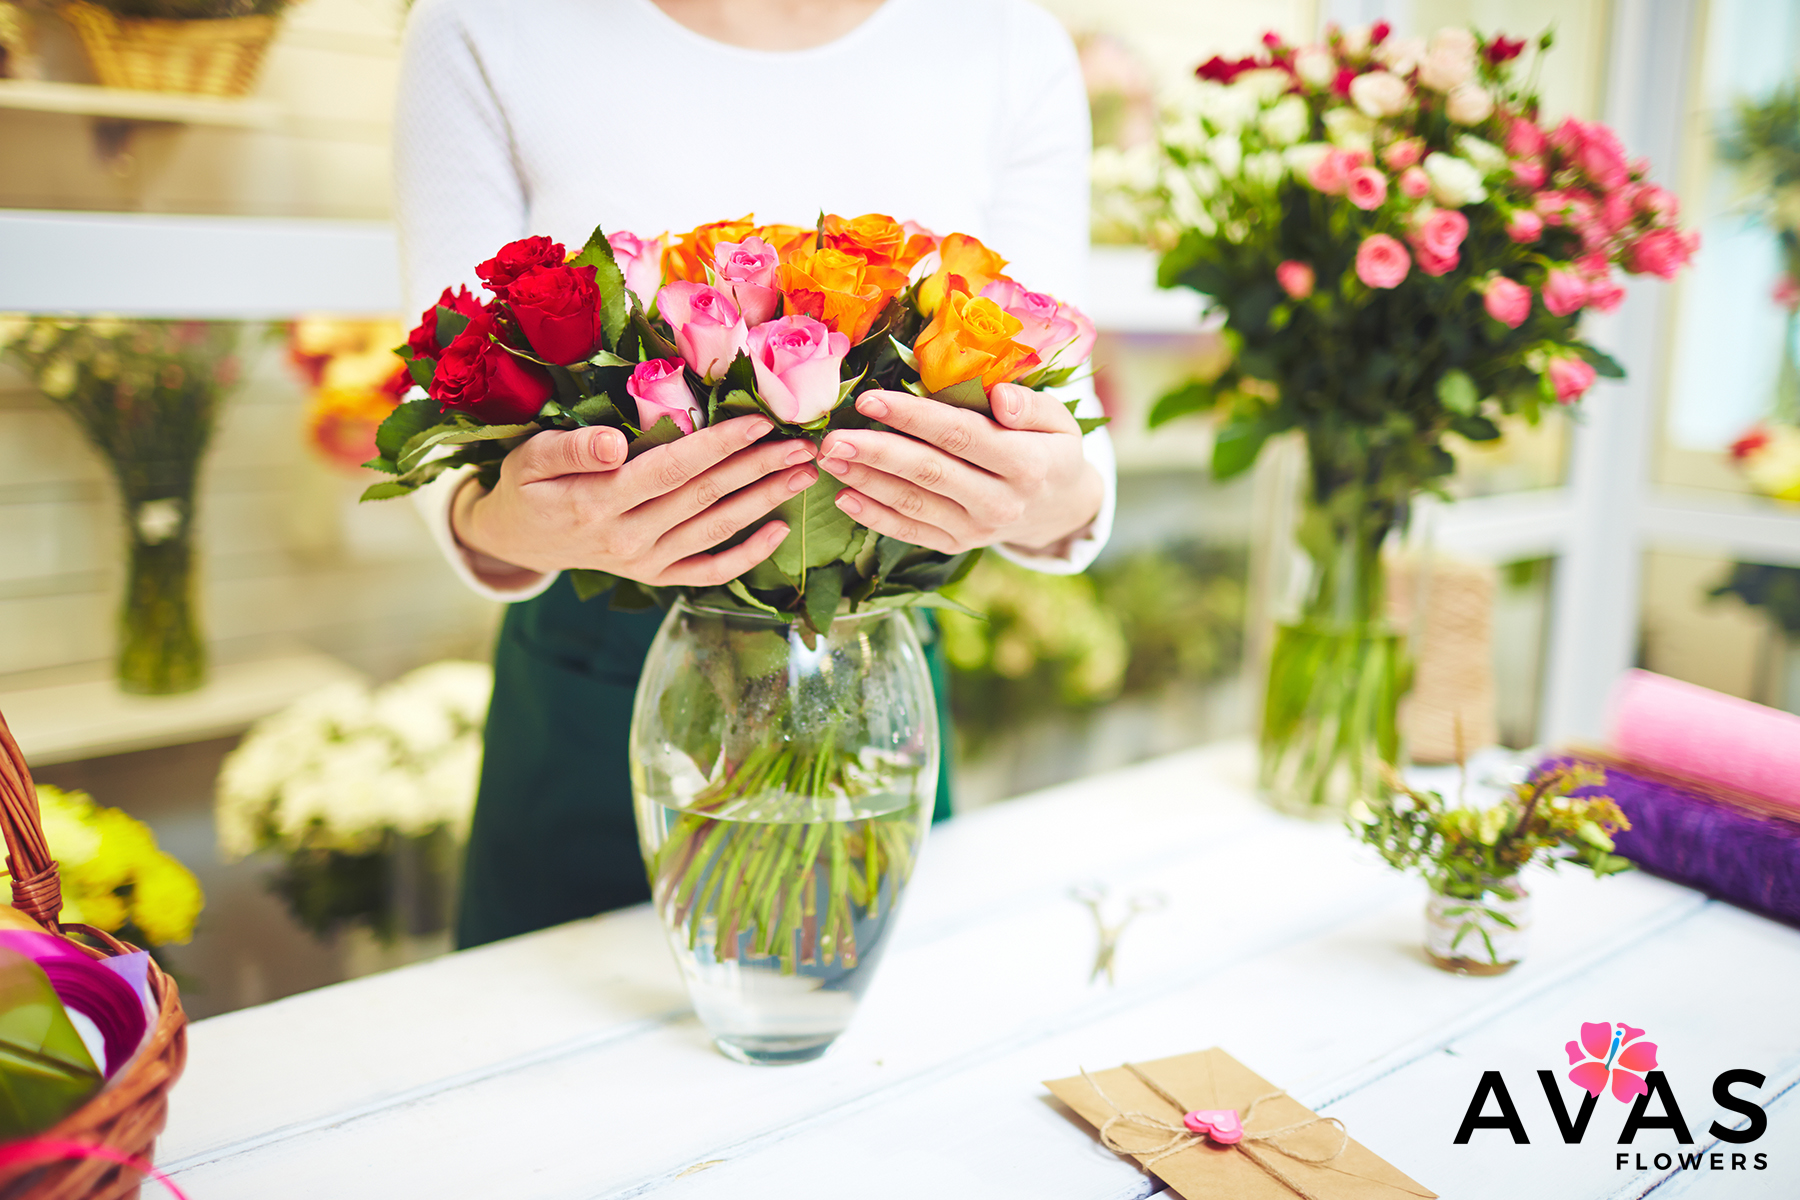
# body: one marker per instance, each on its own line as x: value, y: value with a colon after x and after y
x: 160, y: 648
x: 759, y: 854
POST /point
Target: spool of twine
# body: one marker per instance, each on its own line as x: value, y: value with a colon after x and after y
x: 1450, y: 711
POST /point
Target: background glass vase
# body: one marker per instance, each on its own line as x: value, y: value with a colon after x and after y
x: 783, y: 791
x: 1478, y: 931
x: 1337, y: 667
x: 160, y: 647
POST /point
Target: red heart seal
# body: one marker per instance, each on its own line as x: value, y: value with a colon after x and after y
x: 1219, y: 1124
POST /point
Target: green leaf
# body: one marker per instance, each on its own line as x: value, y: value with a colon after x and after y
x: 660, y: 434
x: 615, y: 301
x: 1604, y: 364
x: 1089, y: 424
x: 606, y: 358
x: 386, y: 490
x: 905, y: 352
x: 628, y: 595
x: 589, y: 584
x: 1236, y: 446
x: 458, y: 433
x: 865, y: 557
x: 401, y: 426
x: 1456, y: 392
x: 449, y: 324
x: 1190, y: 397
x: 765, y: 576
x: 422, y: 368
x: 1476, y: 428
x: 888, y: 553
x: 819, y: 532
x: 736, y: 587
x: 693, y: 718
x: 597, y: 410
x: 939, y: 600
x: 735, y: 404
x: 967, y: 394
x: 824, y: 588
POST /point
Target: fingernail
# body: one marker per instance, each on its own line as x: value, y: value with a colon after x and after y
x: 757, y: 428
x: 608, y: 444
x: 842, y: 450
x: 799, y: 481
x: 849, y: 503
x: 799, y: 454
x: 834, y: 466
x: 869, y: 406
x: 1009, y: 400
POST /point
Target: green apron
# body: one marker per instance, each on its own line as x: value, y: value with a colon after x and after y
x: 554, y: 837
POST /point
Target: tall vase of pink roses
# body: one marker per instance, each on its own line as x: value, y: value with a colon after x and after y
x: 1402, y: 250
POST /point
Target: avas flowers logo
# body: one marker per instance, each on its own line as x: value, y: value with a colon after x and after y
x: 1613, y: 1055
x: 1613, y: 1052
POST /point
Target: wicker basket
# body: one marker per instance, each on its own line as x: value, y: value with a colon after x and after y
x: 208, y: 58
x: 130, y: 1111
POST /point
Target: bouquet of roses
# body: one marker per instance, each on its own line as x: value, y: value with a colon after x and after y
x: 659, y: 337
x: 1400, y: 247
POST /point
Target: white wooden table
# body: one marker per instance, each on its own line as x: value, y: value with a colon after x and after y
x: 566, y: 1064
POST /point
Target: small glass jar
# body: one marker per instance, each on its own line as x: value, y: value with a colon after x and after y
x: 1485, y: 934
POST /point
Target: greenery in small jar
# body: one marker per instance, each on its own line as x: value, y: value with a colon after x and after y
x: 193, y: 10
x: 1469, y: 852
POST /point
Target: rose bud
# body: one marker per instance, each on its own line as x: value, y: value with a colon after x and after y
x: 660, y: 389
x: 558, y: 310
x: 518, y: 258
x: 1564, y: 292
x: 1507, y: 301
x: 640, y: 259
x: 1571, y: 378
x: 423, y: 340
x: 1524, y: 226
x: 746, y: 272
x: 1296, y: 278
x: 479, y: 376
x: 709, y: 330
x: 1050, y: 328
x: 971, y: 337
x: 797, y: 362
x: 1381, y: 261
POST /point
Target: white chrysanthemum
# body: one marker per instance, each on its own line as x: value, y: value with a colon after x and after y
x: 1132, y: 169
x: 1229, y: 109
x: 1488, y: 158
x: 1303, y: 158
x: 1266, y: 84
x: 1351, y: 130
x: 1226, y: 153
x: 1286, y: 122
x: 1265, y: 168
x: 461, y: 688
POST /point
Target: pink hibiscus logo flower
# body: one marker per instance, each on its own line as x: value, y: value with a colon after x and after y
x: 1604, y: 1051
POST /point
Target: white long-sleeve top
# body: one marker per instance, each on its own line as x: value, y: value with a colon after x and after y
x: 554, y: 116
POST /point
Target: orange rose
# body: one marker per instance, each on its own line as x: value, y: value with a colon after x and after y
x: 688, y: 257
x: 962, y: 255
x: 971, y: 337
x: 787, y: 240
x: 877, y: 240
x: 839, y: 289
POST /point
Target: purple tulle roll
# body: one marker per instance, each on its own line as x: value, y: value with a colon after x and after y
x: 1734, y: 852
x: 88, y: 987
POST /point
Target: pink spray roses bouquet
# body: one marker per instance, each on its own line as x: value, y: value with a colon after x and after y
x: 659, y: 337
x: 1402, y: 247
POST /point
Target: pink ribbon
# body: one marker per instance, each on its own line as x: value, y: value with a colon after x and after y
x: 50, y: 1149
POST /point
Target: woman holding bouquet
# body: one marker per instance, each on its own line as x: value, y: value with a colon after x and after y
x: 542, y: 116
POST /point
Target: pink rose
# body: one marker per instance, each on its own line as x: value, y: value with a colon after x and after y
x: 1604, y: 295
x: 1367, y: 188
x: 1414, y: 183
x: 1571, y: 377
x: 1441, y: 232
x: 1602, y: 157
x: 1051, y: 328
x: 641, y: 261
x: 1296, y: 278
x: 1524, y: 226
x: 1525, y: 140
x: 1529, y: 174
x: 1380, y: 94
x: 1615, y: 211
x: 1564, y: 292
x: 1507, y: 302
x: 1656, y: 202
x: 1787, y: 293
x: 1661, y: 252
x: 660, y: 388
x: 797, y: 361
x: 1331, y: 173
x: 709, y: 330
x: 1469, y: 104
x: 1381, y: 261
x: 745, y: 271
x: 1404, y: 153
x: 913, y: 229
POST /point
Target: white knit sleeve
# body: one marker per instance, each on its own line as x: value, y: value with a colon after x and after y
x: 457, y: 198
x: 1040, y: 219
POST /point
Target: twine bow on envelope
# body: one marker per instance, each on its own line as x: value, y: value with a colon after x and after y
x: 1192, y: 1119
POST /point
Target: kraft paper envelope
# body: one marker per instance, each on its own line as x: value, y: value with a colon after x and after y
x: 1205, y: 1170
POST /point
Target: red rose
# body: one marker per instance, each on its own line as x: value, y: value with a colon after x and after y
x: 518, y: 258
x: 423, y: 339
x: 478, y: 376
x: 559, y: 310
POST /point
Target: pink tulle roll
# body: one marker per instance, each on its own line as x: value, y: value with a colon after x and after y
x: 1704, y: 735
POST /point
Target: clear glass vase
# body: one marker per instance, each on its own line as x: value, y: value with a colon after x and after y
x: 1338, y: 667
x: 783, y: 791
x: 160, y: 647
x: 1478, y: 930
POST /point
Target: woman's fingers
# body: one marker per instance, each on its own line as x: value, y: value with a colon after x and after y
x: 661, y: 470
x: 915, y: 478
x: 882, y: 519
x: 960, y: 432
x: 918, y: 504
x: 555, y: 453
x: 1021, y: 408
x: 711, y: 570
x: 717, y: 482
x: 720, y: 521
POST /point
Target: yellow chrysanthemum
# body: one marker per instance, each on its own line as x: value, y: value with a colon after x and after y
x: 112, y: 870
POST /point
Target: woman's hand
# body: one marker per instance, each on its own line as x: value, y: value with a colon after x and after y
x: 962, y: 480
x: 570, y: 499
